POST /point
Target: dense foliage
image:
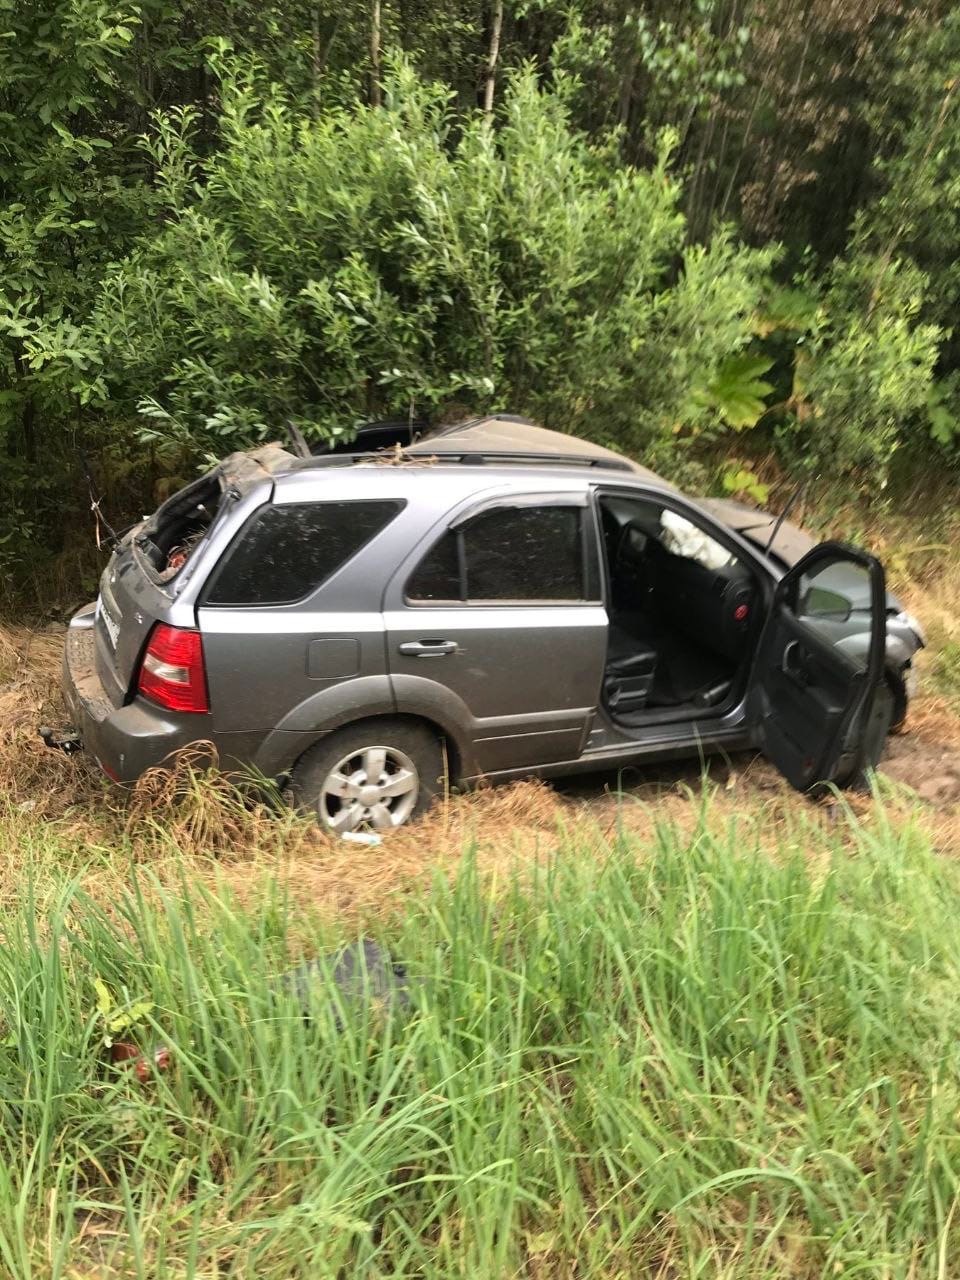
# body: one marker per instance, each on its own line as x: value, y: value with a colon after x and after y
x: 652, y: 224
x: 395, y: 260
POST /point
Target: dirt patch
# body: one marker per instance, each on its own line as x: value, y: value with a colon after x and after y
x: 926, y: 757
x: 930, y: 768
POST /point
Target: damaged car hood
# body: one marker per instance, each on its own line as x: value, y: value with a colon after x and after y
x: 790, y: 544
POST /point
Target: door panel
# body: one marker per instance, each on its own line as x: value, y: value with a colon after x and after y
x: 813, y: 699
x: 529, y: 676
x: 501, y: 615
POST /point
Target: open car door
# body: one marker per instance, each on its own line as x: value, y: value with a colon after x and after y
x: 817, y: 679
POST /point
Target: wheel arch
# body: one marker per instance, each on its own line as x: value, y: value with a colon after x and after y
x: 366, y: 698
x: 448, y: 744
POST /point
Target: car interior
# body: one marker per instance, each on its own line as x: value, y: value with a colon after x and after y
x: 684, y: 614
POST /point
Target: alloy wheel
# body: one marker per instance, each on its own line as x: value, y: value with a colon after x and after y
x: 375, y: 787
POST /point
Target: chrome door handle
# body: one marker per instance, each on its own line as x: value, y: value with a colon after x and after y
x: 428, y: 648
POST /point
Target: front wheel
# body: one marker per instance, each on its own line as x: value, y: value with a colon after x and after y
x: 880, y: 723
x: 898, y: 684
x: 374, y: 775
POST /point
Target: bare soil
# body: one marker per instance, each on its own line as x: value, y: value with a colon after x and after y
x: 930, y: 768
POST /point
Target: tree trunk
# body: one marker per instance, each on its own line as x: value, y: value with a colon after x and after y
x: 316, y: 67
x: 376, y: 93
x: 625, y: 101
x: 492, y: 58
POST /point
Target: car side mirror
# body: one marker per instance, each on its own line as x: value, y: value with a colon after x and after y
x: 819, y: 602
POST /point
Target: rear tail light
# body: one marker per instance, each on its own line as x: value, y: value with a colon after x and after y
x: 172, y: 673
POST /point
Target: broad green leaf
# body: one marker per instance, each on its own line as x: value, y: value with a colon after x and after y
x: 123, y: 1019
x: 786, y: 310
x: 737, y: 391
x: 944, y: 426
x: 743, y: 480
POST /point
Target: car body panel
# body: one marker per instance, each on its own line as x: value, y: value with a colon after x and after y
x: 529, y: 678
x: 126, y: 740
x: 525, y: 677
x: 132, y: 600
x: 249, y: 693
x: 322, y: 712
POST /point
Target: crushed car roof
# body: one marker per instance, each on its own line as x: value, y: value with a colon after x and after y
x: 502, y: 436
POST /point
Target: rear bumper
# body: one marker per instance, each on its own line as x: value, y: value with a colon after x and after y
x: 125, y: 741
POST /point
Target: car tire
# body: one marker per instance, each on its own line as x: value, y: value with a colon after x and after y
x: 898, y: 691
x: 374, y: 775
x: 878, y: 729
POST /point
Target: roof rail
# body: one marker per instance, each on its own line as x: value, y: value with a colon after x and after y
x: 466, y: 457
x: 481, y: 457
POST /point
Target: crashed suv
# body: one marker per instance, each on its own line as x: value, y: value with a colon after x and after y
x: 495, y: 600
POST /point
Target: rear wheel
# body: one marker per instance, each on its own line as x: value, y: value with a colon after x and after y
x: 374, y: 775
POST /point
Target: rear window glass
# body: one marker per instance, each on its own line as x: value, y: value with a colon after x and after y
x: 525, y: 553
x: 172, y: 535
x: 287, y: 552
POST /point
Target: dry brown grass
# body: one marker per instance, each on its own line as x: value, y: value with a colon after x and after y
x: 505, y: 829
x: 48, y: 782
x: 179, y: 817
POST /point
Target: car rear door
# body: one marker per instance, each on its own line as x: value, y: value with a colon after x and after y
x: 500, y: 621
x: 812, y: 698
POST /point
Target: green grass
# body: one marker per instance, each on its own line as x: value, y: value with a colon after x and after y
x: 694, y: 1057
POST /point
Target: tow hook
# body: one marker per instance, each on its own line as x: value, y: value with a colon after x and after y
x: 60, y: 739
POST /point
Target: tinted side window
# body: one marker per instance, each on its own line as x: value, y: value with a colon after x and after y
x: 520, y: 553
x: 286, y: 552
x: 437, y: 576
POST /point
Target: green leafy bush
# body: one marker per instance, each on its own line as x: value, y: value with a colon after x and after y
x: 867, y: 368
x: 395, y: 261
x: 855, y: 364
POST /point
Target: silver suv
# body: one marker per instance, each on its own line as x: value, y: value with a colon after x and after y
x: 496, y: 600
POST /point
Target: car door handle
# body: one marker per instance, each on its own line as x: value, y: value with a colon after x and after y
x: 793, y: 665
x: 428, y: 648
